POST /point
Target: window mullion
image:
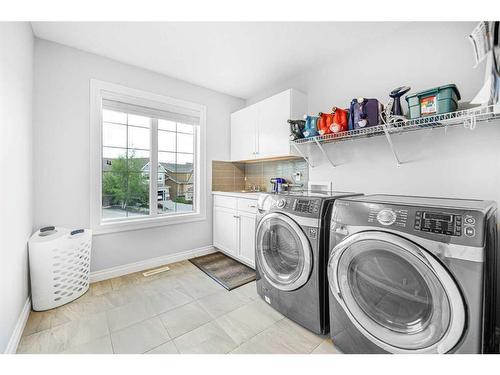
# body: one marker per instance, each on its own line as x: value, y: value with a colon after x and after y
x: 153, y: 178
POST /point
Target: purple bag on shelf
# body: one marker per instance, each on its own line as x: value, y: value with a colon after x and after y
x: 364, y: 112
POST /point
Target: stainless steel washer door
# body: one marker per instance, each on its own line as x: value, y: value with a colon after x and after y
x: 396, y: 293
x: 283, y: 252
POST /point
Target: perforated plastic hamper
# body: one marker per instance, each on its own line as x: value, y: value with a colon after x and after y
x: 59, y: 266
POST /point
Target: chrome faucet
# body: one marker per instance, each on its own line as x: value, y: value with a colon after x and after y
x: 254, y: 188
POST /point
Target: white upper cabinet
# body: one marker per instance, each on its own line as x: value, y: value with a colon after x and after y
x: 261, y: 130
x: 244, y: 133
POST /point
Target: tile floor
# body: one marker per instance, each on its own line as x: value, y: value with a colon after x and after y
x: 179, y: 311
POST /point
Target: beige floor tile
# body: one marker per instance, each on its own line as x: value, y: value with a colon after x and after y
x: 101, y: 345
x: 123, y: 296
x: 222, y: 302
x: 144, y: 313
x: 77, y: 332
x: 163, y: 284
x: 168, y: 300
x: 182, y: 268
x: 167, y: 348
x: 99, y: 288
x: 207, y: 339
x: 184, y: 319
x: 131, y: 313
x: 283, y: 337
x: 199, y: 285
x: 132, y: 279
x: 248, y: 320
x: 85, y: 306
x: 249, y: 290
x: 326, y: 347
x: 36, y: 343
x: 41, y: 320
x: 140, y: 338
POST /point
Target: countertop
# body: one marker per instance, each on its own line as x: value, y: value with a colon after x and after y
x: 240, y: 194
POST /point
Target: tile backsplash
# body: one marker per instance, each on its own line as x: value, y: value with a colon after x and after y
x: 228, y: 176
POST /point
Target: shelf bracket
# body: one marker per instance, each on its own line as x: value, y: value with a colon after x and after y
x: 302, y: 154
x: 323, y: 152
x: 391, y: 145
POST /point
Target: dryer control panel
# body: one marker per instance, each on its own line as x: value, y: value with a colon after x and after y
x: 438, y: 222
x: 449, y: 225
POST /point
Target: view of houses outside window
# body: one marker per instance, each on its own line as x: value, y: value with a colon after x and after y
x: 126, y: 151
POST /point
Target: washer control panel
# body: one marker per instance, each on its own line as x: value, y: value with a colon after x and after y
x: 388, y: 216
x: 450, y: 225
x: 308, y: 206
x: 302, y: 206
x: 439, y: 222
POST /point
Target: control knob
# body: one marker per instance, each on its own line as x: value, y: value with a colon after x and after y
x: 386, y: 217
x: 281, y: 203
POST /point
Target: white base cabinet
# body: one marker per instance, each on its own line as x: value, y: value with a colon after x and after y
x: 226, y: 230
x: 246, y: 243
x: 234, y: 227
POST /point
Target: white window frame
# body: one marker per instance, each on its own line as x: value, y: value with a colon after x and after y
x: 98, y: 91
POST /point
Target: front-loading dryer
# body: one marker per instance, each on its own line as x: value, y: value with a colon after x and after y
x: 291, y: 252
x: 412, y: 275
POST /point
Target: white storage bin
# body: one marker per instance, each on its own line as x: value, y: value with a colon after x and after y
x: 59, y: 266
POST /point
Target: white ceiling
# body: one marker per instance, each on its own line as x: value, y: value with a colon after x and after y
x: 234, y: 58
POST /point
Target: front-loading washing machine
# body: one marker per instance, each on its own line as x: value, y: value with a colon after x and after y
x: 413, y: 275
x: 291, y: 252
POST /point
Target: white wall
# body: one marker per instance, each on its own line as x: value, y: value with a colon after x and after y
x: 424, y: 55
x: 16, y: 185
x: 61, y: 146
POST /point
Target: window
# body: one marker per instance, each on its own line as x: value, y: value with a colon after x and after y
x: 136, y: 135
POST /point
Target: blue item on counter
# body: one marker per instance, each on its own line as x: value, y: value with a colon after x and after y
x: 277, y: 184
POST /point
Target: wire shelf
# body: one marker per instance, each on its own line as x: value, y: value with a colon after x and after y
x: 467, y: 118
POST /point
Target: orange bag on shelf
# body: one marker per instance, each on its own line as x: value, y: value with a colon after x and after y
x: 340, y: 121
x: 325, y: 120
x: 334, y: 122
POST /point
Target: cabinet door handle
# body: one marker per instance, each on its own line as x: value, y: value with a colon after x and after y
x: 236, y: 216
x: 252, y: 206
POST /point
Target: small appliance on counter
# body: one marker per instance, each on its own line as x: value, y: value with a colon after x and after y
x: 277, y: 183
x: 364, y: 112
x: 435, y: 101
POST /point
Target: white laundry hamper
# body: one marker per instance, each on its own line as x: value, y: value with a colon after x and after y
x: 59, y: 266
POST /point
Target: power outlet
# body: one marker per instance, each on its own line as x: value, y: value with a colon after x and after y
x: 297, y: 176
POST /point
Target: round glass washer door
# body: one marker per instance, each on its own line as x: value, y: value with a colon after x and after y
x: 283, y: 252
x: 396, y: 293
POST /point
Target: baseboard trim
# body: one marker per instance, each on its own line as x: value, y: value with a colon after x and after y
x: 19, y: 328
x: 125, y: 269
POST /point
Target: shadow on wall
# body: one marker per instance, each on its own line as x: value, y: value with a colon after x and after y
x: 234, y: 176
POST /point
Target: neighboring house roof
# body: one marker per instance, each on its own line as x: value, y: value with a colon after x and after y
x: 178, y: 168
x: 179, y: 173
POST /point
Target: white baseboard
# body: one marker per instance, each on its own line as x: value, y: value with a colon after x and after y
x: 125, y: 269
x: 19, y: 328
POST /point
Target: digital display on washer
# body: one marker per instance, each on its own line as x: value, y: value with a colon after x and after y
x: 306, y: 205
x: 438, y: 222
x: 438, y: 216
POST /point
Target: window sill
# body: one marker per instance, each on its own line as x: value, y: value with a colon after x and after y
x: 146, y: 223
